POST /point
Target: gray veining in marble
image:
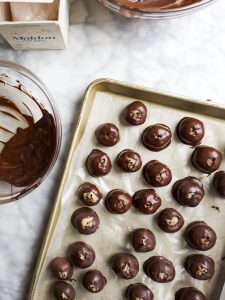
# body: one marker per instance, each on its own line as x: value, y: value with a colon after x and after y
x: 184, y: 56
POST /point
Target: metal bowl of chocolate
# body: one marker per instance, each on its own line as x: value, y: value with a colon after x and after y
x: 30, y: 131
x: 154, y: 9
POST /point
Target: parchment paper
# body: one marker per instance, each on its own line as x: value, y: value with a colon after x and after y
x: 112, y: 236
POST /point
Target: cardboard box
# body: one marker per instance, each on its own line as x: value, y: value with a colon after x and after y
x: 38, y: 35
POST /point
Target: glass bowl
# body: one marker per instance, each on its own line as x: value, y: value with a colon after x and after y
x: 156, y: 13
x: 30, y: 131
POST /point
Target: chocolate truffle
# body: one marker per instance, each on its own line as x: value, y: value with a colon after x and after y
x: 125, y: 265
x: 107, y: 134
x: 189, y: 293
x: 118, y: 201
x: 85, y: 220
x: 156, y: 137
x: 139, y: 291
x: 219, y: 182
x: 62, y: 268
x: 82, y: 255
x: 94, y: 281
x: 157, y: 174
x: 136, y: 113
x: 170, y: 220
x: 190, y: 131
x: 63, y: 290
x: 98, y: 163
x: 89, y: 194
x: 143, y: 240
x: 188, y: 191
x: 206, y: 159
x: 147, y: 201
x: 129, y: 161
x: 159, y: 269
x: 200, y: 266
x: 200, y: 236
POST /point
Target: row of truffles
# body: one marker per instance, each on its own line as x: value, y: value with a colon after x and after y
x: 188, y: 191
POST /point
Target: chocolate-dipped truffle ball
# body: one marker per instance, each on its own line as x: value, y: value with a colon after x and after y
x: 170, y: 220
x: 62, y: 268
x: 98, y: 163
x: 159, y: 269
x: 200, y: 266
x: 82, y: 255
x: 188, y: 191
x: 189, y: 293
x: 85, y: 220
x: 107, y: 134
x: 156, y: 137
x: 143, y: 240
x: 89, y: 194
x: 219, y: 182
x: 139, y: 291
x: 136, y: 113
x: 129, y: 161
x: 206, y: 159
x: 94, y: 281
x: 118, y: 201
x: 147, y: 201
x: 125, y: 265
x: 157, y: 174
x: 64, y: 290
x: 200, y: 236
x: 190, y: 131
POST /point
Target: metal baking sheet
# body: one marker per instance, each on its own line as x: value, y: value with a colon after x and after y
x: 103, y: 102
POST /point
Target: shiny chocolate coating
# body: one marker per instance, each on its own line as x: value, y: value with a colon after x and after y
x: 118, y: 201
x: 147, y: 201
x: 94, y: 281
x: 200, y: 236
x: 129, y: 161
x: 125, y: 265
x: 157, y: 174
x: 85, y: 220
x: 206, y: 159
x: 136, y: 113
x: 170, y: 220
x: 156, y: 137
x: 28, y: 152
x: 159, y: 269
x: 89, y: 194
x: 64, y: 291
x: 219, y: 183
x: 82, y: 255
x: 188, y: 191
x: 200, y: 266
x: 98, y: 163
x: 139, y: 291
x: 107, y: 134
x: 143, y: 240
x: 62, y: 268
x: 189, y: 293
x: 190, y: 131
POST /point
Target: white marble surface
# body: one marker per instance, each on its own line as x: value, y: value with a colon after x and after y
x: 185, y: 56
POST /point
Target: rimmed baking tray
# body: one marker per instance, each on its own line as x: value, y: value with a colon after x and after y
x: 205, y: 108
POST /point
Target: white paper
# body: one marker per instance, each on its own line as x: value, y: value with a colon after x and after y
x: 112, y: 236
x: 5, y: 13
x: 34, y: 11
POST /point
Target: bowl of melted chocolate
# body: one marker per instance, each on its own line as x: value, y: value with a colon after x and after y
x: 30, y: 132
x: 154, y: 9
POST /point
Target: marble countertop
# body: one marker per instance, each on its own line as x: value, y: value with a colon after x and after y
x: 184, y: 56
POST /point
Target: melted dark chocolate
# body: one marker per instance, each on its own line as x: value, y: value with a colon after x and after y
x: 28, y: 154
